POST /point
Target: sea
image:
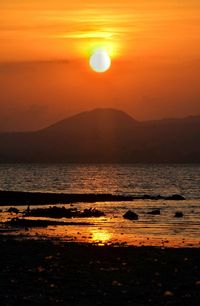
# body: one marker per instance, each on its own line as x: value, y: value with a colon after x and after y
x: 163, y: 230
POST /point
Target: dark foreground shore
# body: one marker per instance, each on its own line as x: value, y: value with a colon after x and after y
x: 56, y: 273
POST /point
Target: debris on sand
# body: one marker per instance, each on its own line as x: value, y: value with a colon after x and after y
x: 168, y: 293
x: 178, y: 214
x: 154, y: 212
x: 13, y: 210
x: 131, y: 215
x: 176, y: 197
x: 92, y: 212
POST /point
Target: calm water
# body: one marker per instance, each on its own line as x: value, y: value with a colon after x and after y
x: 117, y: 179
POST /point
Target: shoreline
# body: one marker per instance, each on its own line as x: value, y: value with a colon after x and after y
x: 18, y: 198
x: 57, y: 273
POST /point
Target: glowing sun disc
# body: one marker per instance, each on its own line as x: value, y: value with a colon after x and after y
x: 100, y: 61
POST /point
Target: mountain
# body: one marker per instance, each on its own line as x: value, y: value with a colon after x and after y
x: 106, y: 135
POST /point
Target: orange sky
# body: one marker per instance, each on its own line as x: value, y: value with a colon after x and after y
x: 44, y: 50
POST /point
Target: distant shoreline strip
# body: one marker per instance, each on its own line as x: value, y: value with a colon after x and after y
x: 39, y: 198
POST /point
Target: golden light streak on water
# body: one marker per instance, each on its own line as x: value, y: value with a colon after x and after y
x: 100, y: 237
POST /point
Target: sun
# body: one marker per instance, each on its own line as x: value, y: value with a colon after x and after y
x: 100, y: 61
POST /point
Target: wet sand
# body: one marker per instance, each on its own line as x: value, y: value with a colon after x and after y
x: 58, y: 273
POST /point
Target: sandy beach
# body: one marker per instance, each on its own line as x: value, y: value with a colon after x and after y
x: 57, y: 273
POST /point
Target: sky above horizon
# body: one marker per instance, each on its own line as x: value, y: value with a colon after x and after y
x: 45, y: 46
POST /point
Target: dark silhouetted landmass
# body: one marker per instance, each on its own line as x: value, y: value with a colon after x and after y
x: 106, y: 136
x: 36, y: 198
x: 62, y: 212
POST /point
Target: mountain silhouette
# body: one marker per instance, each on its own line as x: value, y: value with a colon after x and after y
x: 106, y: 135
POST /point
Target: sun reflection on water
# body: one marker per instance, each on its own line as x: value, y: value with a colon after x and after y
x: 100, y: 237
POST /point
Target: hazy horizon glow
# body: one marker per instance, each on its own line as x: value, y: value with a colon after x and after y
x: 45, y: 46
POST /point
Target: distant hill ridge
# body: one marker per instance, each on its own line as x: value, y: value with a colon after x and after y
x: 106, y: 136
x: 97, y: 116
